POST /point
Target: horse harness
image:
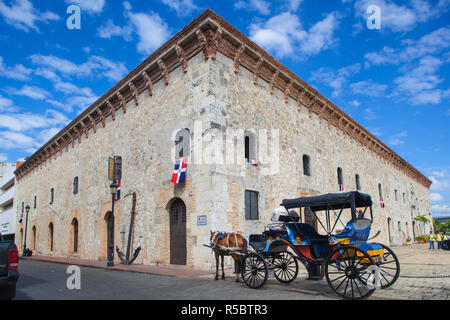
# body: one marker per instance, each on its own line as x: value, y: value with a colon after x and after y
x: 220, y: 248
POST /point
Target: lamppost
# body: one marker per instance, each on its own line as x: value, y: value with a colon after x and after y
x: 27, y: 209
x: 113, y: 188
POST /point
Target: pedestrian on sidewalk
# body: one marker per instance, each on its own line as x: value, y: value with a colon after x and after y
x: 439, y: 240
x: 432, y: 239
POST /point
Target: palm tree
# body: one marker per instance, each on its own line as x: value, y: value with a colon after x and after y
x: 422, y: 218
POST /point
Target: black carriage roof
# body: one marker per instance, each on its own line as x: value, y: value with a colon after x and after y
x: 330, y: 201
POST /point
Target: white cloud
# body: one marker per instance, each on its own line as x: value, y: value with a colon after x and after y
x: 432, y: 43
x: 22, y: 122
x: 369, y: 114
x: 420, y: 84
x: 439, y: 185
x: 22, y: 15
x: 95, y: 65
x: 32, y: 92
x: 15, y: 140
x: 110, y: 30
x: 4, y: 103
x: 181, y: 7
x: 284, y: 35
x: 335, y: 79
x: 142, y: 23
x: 436, y: 197
x: 397, y: 139
x: 261, y: 6
x: 368, y: 88
x: 91, y: 6
x: 443, y: 210
x: 18, y: 72
x: 3, y: 157
x: 399, y: 18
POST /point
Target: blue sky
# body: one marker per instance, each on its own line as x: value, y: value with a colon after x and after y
x: 393, y: 80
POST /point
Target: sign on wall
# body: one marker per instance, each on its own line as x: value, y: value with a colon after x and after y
x: 114, y: 168
x: 202, y: 221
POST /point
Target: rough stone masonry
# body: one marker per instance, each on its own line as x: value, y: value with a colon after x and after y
x: 206, y: 83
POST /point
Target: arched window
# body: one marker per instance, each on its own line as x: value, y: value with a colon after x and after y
x: 50, y: 236
x: 75, y: 235
x: 340, y: 179
x: 75, y: 185
x: 35, y: 202
x: 52, y: 195
x: 306, y: 165
x: 358, y: 182
x: 250, y: 146
x: 182, y: 144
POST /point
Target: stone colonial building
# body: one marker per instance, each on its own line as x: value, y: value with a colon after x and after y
x: 205, y: 93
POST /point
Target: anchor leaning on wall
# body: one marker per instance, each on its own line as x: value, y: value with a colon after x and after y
x: 125, y: 258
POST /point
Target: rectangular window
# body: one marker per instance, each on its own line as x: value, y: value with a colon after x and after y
x: 251, y: 205
x: 396, y: 195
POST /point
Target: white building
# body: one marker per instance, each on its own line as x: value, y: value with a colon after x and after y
x: 7, y: 188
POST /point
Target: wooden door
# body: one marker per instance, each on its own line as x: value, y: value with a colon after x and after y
x: 178, y: 251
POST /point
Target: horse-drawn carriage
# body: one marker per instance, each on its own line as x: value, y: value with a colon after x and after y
x: 353, y: 267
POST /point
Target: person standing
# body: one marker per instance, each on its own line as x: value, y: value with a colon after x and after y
x: 439, y: 239
x: 432, y: 239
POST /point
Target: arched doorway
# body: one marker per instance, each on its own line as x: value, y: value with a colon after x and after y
x: 389, y: 223
x: 177, y: 215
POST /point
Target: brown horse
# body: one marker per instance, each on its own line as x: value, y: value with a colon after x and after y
x: 228, y: 244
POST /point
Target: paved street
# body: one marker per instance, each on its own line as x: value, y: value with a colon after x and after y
x: 43, y: 280
x: 425, y: 275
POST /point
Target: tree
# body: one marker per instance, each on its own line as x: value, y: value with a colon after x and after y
x: 422, y: 218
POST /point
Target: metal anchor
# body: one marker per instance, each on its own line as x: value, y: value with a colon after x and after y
x: 125, y: 258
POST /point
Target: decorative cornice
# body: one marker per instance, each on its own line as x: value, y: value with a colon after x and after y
x: 209, y: 33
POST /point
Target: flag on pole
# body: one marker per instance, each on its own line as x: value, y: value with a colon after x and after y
x: 341, y: 187
x: 117, y: 195
x: 253, y: 162
x: 381, y: 202
x: 179, y: 173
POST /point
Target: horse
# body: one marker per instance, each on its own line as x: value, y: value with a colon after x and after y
x: 228, y: 244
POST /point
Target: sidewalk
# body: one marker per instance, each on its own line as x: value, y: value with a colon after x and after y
x: 170, y: 271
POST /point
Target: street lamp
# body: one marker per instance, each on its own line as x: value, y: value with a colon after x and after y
x: 27, y: 209
x: 113, y: 189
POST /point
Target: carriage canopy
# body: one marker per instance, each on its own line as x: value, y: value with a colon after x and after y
x: 329, y: 201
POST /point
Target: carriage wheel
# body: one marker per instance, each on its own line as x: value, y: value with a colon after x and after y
x: 254, y: 271
x: 389, y: 268
x: 286, y: 267
x: 348, y: 274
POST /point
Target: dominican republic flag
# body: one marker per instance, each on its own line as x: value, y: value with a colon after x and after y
x: 341, y: 188
x: 117, y: 196
x: 381, y: 202
x: 179, y: 173
x: 253, y: 162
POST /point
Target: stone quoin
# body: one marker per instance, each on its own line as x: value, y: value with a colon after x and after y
x: 208, y: 73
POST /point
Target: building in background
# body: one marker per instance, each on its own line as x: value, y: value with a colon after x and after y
x: 7, y: 210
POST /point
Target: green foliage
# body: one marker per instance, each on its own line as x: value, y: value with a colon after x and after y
x: 422, y: 239
x: 422, y: 218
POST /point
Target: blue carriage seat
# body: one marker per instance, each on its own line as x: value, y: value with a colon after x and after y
x: 309, y: 236
x: 356, y: 231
